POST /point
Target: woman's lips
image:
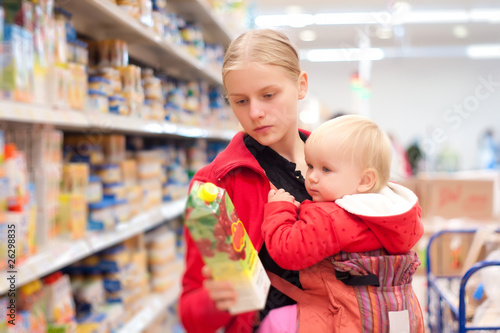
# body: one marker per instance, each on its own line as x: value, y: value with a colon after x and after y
x: 262, y: 129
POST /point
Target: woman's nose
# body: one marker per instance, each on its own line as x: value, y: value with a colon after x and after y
x: 256, y: 110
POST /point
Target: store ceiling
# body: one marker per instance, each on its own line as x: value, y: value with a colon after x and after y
x: 465, y: 23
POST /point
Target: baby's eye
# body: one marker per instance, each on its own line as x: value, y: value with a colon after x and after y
x: 309, y: 166
x: 325, y: 169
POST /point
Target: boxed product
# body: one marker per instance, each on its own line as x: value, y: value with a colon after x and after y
x: 225, y: 246
x: 18, y: 77
x: 2, y: 18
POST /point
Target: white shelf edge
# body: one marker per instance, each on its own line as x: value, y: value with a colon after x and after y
x: 155, y: 304
x: 32, y: 113
x: 36, y: 114
x: 65, y: 252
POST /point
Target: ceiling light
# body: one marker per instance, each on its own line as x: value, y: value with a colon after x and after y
x: 441, y: 16
x: 487, y: 51
x: 345, y: 18
x: 297, y: 20
x: 485, y: 15
x: 380, y: 18
x: 460, y: 31
x: 327, y: 55
x: 307, y: 35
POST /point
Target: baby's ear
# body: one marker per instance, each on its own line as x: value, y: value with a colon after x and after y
x: 367, y: 180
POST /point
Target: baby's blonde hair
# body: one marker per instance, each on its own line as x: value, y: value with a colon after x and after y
x: 265, y: 47
x: 362, y: 139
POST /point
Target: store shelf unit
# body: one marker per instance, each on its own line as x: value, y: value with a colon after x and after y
x: 200, y: 11
x: 103, y: 19
x: 450, y: 291
x: 107, y: 123
x: 65, y: 252
x: 154, y: 305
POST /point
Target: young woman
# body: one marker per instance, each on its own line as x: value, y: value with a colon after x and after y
x: 263, y: 82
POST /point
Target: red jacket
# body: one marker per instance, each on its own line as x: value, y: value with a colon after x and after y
x: 356, y: 223
x: 348, y: 231
x: 236, y: 170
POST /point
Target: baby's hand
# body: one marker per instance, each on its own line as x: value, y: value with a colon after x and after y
x: 282, y: 195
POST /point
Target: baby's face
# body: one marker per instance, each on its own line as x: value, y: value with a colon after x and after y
x: 330, y: 174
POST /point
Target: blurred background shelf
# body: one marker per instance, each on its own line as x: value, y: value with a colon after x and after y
x: 102, y: 19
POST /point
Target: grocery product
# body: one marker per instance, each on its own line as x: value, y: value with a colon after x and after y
x: 31, y: 299
x: 18, y: 79
x: 101, y: 84
x: 109, y: 173
x: 102, y: 215
x: 94, y: 189
x: 98, y: 101
x: 60, y: 311
x: 225, y: 246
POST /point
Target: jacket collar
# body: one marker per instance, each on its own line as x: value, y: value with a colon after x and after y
x: 226, y: 161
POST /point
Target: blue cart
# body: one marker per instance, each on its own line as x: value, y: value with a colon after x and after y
x: 446, y: 304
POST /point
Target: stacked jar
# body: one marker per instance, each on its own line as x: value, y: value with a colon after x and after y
x: 153, y: 103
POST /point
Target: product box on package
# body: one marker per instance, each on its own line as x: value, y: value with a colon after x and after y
x: 225, y: 246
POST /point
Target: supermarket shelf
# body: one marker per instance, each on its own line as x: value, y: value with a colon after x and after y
x: 155, y: 304
x: 197, y: 132
x: 140, y: 223
x: 100, y: 19
x: 62, y: 253
x: 30, y: 113
x: 199, y: 11
x: 105, y: 122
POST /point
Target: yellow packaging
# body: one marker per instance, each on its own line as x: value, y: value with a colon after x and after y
x: 72, y: 218
x: 225, y: 246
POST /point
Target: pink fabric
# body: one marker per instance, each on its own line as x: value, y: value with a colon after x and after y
x: 280, y: 320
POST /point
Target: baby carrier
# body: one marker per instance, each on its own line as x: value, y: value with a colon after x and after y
x: 366, y: 292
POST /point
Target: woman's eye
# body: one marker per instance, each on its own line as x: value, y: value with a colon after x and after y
x: 268, y: 95
x: 240, y: 101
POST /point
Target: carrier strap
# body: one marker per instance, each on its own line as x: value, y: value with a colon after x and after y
x: 357, y: 280
x: 287, y: 288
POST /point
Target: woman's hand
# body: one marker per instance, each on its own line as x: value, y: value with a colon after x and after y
x: 281, y: 195
x: 221, y: 292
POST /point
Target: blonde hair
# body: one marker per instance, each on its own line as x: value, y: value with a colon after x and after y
x: 265, y: 47
x: 361, y: 138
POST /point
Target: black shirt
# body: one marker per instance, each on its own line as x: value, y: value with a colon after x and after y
x: 282, y: 174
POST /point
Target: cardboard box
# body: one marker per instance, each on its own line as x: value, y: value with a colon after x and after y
x: 453, y: 252
x: 473, y: 195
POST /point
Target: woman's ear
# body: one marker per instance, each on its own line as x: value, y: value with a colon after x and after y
x: 303, y: 85
x: 367, y: 181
